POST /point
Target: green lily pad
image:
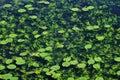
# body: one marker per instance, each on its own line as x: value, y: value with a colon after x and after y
x: 33, y: 17
x: 67, y: 59
x: 11, y: 66
x: 12, y: 35
x: 70, y: 78
x: 73, y: 62
x: 56, y: 75
x: 98, y: 59
x: 96, y: 66
x: 66, y: 64
x: 82, y: 78
x: 20, y: 61
x: 81, y: 65
x: 34, y: 64
x: 2, y: 67
x: 100, y: 38
x: 99, y: 78
x: 7, y: 5
x: 8, y: 61
x: 22, y: 10
x: 44, y: 2
x: 55, y: 67
x: 88, y: 46
x: 75, y: 9
x: 28, y: 5
x: 6, y: 76
x: 118, y: 73
x: 117, y: 59
x: 91, y: 61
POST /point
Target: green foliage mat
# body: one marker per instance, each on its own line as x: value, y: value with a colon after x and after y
x: 59, y: 40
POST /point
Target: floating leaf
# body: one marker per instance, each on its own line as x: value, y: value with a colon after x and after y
x: 33, y: 17
x: 91, y: 61
x: 43, y: 2
x: 75, y: 9
x: 67, y: 59
x: 7, y: 5
x: 20, y: 61
x: 55, y: 67
x: 21, y: 10
x: 118, y: 73
x: 81, y: 65
x: 11, y: 66
x: 66, y: 64
x: 99, y: 78
x: 88, y: 46
x: 100, y: 38
x: 117, y: 59
x: 73, y: 62
x: 2, y: 67
x: 8, y: 61
x: 70, y: 78
x: 13, y: 35
x: 98, y: 59
x: 96, y: 66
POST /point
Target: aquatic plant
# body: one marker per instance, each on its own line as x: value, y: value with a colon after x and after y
x: 59, y: 40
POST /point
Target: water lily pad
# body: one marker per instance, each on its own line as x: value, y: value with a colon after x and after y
x: 21, y: 10
x: 55, y: 67
x: 107, y: 26
x: 11, y: 66
x: 118, y: 72
x: 99, y: 78
x: 3, y: 42
x: 43, y: 2
x: 100, y: 38
x: 82, y: 78
x: 73, y: 62
x: 67, y: 59
x: 81, y: 65
x: 8, y: 61
x: 70, y: 78
x: 35, y: 64
x: 56, y: 75
x: 75, y: 9
x: 20, y: 61
x: 13, y: 35
x: 98, y: 59
x: 66, y: 64
x: 28, y: 5
x: 2, y: 67
x: 117, y: 59
x: 91, y: 61
x: 6, y: 76
x: 88, y: 46
x: 96, y: 66
x: 7, y: 5
x: 43, y: 55
x: 33, y: 17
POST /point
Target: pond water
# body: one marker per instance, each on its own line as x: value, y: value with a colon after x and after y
x: 59, y: 39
